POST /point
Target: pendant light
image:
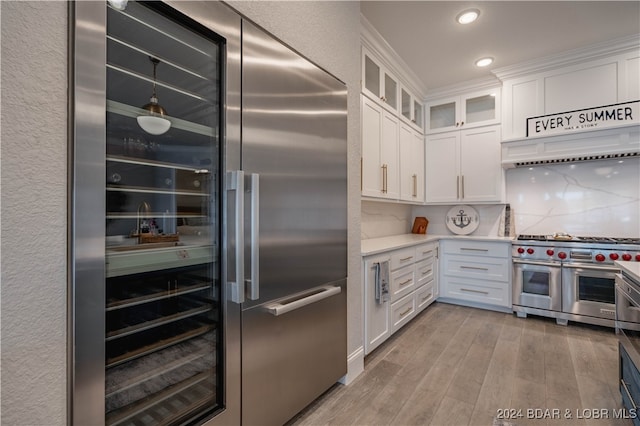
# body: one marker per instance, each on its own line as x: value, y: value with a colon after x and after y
x: 154, y: 122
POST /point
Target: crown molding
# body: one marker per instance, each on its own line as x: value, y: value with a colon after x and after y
x: 373, y: 40
x: 464, y: 88
x: 571, y: 57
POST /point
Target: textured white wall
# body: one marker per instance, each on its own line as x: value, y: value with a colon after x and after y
x: 34, y: 213
x: 328, y: 33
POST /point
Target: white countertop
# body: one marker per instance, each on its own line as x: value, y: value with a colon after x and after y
x: 631, y: 268
x: 378, y: 245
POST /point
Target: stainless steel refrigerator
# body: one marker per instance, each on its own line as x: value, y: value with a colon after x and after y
x: 207, y: 219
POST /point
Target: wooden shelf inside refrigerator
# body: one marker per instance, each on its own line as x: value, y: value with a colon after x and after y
x: 157, y: 322
x: 169, y: 405
x: 152, y: 294
x: 123, y: 261
x: 169, y: 336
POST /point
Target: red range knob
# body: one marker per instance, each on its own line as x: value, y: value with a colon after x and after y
x: 614, y: 256
x: 530, y: 250
x: 562, y: 255
x: 550, y: 252
x: 626, y: 257
x: 600, y: 257
x: 638, y: 257
x: 521, y: 250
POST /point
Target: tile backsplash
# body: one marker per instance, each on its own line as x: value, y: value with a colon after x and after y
x: 597, y: 198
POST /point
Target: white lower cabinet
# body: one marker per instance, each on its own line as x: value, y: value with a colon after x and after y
x: 412, y: 287
x: 477, y: 272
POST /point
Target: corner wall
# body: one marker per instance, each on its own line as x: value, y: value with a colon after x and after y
x: 34, y: 213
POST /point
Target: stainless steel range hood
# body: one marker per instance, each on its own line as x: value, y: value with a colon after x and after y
x: 580, y: 146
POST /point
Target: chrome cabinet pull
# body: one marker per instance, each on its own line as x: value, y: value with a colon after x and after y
x: 475, y: 291
x: 235, y: 182
x: 473, y: 249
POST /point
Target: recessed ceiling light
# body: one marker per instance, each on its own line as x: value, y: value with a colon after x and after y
x: 483, y: 62
x: 467, y: 16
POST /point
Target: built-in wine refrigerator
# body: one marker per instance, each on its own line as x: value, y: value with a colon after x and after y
x: 153, y: 95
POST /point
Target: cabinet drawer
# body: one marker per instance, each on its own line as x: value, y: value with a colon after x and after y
x: 424, y: 272
x: 427, y: 251
x: 402, y: 311
x: 402, y: 258
x: 477, y: 248
x: 479, y: 268
x: 492, y: 293
x: 424, y: 296
x: 402, y: 282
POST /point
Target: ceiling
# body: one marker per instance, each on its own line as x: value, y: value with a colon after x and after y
x: 442, y: 52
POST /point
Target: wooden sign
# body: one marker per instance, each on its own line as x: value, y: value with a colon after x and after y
x: 623, y: 114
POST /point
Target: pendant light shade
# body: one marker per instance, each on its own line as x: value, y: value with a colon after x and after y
x: 155, y: 121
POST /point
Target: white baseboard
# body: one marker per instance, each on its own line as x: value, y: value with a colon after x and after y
x: 355, y: 366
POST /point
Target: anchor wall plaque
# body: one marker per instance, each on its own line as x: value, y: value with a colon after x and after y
x: 462, y: 220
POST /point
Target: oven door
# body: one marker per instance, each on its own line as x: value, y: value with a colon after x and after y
x: 537, y: 285
x: 589, y: 290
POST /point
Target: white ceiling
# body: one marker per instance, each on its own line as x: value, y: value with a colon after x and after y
x: 442, y: 52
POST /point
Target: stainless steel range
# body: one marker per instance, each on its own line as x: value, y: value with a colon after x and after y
x: 569, y: 278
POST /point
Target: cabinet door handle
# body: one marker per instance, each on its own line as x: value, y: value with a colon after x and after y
x: 406, y: 312
x: 415, y: 185
x: 427, y: 272
x: 405, y: 282
x: 384, y: 178
x: 404, y: 259
x: 473, y: 249
x: 458, y: 186
x: 462, y: 187
x: 475, y: 291
x: 428, y: 296
x: 474, y: 267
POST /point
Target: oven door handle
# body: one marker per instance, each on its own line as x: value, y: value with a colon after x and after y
x: 536, y: 263
x: 590, y: 267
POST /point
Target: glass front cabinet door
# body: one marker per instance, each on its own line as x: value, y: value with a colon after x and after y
x: 152, y: 333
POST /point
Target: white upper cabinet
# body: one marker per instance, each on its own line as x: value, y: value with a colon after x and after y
x: 479, y: 108
x: 411, y: 109
x: 411, y: 164
x: 587, y: 84
x: 378, y: 83
x: 380, y: 133
x: 464, y: 166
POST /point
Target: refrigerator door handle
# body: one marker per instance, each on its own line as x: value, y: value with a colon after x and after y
x: 235, y: 182
x: 254, y: 279
x: 278, y: 309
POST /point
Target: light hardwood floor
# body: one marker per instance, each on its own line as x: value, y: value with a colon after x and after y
x: 454, y: 365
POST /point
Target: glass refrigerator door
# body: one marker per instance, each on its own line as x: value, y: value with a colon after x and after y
x: 163, y: 292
